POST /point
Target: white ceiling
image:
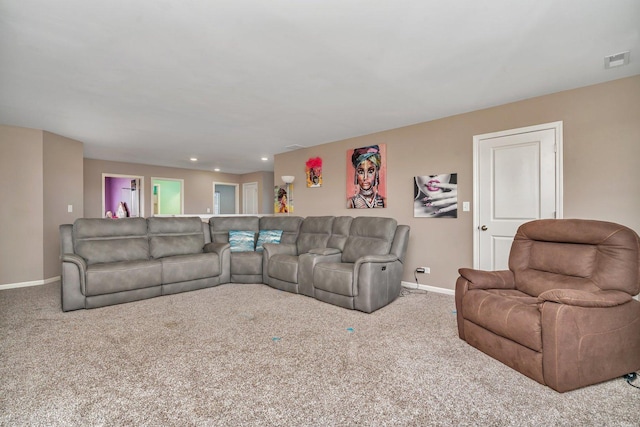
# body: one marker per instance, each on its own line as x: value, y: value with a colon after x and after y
x: 159, y: 81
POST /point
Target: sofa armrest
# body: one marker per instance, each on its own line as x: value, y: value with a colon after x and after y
x: 73, y: 285
x: 377, y: 280
x: 587, y: 345
x: 375, y: 258
x: 224, y: 255
x: 77, y: 260
x: 271, y: 249
x: 216, y: 247
x: 481, y: 279
x: 580, y: 298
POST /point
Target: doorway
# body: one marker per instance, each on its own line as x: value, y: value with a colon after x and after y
x: 226, y: 198
x: 128, y: 189
x: 167, y: 196
x: 517, y: 178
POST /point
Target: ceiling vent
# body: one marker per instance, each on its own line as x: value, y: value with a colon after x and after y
x: 617, y: 60
x: 294, y: 147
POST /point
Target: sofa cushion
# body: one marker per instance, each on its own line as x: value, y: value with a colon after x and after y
x: 167, y: 246
x: 575, y: 254
x: 290, y: 226
x: 334, y: 277
x: 508, y: 313
x: 268, y: 236
x: 175, y: 236
x: 111, y: 240
x: 369, y: 236
x: 108, y: 278
x: 340, y: 232
x: 314, y: 233
x: 242, y: 241
x: 221, y: 225
x: 190, y: 267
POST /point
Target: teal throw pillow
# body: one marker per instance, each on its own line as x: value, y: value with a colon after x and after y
x: 268, y: 236
x: 242, y: 241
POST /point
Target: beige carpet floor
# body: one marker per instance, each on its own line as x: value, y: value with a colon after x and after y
x: 245, y: 355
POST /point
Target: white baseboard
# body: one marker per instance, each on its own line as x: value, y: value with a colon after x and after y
x: 428, y: 288
x: 27, y: 284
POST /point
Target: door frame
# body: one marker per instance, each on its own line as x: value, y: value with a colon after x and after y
x: 478, y: 139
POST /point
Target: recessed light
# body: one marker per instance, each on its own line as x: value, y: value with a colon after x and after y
x: 216, y: 169
x: 194, y: 159
x: 264, y: 159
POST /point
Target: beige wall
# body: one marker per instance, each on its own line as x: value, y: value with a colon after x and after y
x: 41, y: 173
x: 21, y: 247
x: 62, y: 171
x: 198, y: 184
x: 601, y: 176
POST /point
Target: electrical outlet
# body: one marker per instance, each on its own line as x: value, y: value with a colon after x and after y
x: 423, y: 270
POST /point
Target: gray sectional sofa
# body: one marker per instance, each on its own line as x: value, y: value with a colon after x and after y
x: 355, y: 263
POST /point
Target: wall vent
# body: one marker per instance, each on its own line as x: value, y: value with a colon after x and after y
x: 617, y: 60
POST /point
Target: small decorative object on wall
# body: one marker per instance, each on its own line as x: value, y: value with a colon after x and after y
x: 366, y: 177
x: 314, y: 172
x: 283, y: 196
x: 280, y: 200
x: 435, y: 196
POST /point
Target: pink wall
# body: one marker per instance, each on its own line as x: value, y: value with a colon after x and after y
x: 113, y: 192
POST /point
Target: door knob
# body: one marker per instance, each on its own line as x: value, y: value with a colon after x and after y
x: 483, y: 228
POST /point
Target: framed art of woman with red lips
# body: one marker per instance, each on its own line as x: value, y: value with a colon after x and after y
x: 435, y: 196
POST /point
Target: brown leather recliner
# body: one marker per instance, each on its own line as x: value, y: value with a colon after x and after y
x: 563, y: 314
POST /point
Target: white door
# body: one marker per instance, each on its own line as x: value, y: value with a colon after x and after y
x: 250, y: 198
x: 518, y: 178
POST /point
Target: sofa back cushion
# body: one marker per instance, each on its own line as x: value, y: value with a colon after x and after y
x: 369, y: 236
x: 290, y: 226
x: 340, y: 232
x: 175, y: 236
x: 111, y: 240
x: 575, y: 254
x: 221, y: 225
x: 314, y: 233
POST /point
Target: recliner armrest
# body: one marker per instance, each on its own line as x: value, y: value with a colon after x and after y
x: 216, y: 247
x: 582, y: 298
x: 271, y: 249
x: 377, y: 258
x: 75, y: 259
x: 481, y: 279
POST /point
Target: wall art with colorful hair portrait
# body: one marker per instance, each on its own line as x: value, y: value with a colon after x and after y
x: 366, y: 177
x: 281, y: 201
x: 435, y: 196
x: 313, y: 168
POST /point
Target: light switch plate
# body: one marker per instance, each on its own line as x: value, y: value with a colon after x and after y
x: 465, y: 206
